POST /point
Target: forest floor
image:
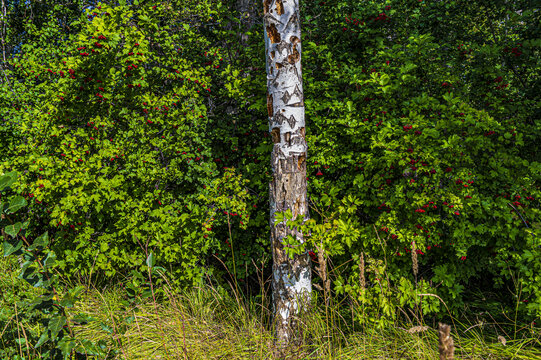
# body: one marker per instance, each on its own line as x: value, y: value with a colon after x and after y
x: 212, y: 323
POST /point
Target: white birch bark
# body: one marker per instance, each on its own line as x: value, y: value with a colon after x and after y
x: 285, y: 104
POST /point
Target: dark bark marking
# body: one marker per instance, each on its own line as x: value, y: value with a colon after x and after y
x: 287, y: 138
x: 273, y: 34
x: 301, y: 162
x: 266, y: 5
x: 295, y: 213
x: 291, y: 121
x: 296, y: 72
x: 297, y: 91
x: 279, y: 118
x: 302, y: 131
x: 275, y: 133
x: 286, y: 97
x: 293, y: 58
x: 270, y: 110
x: 279, y: 7
x: 281, y: 153
x: 297, y: 140
x: 296, y: 56
x: 272, y: 54
x: 275, y: 80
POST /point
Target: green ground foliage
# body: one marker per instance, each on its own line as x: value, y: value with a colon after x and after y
x: 134, y: 140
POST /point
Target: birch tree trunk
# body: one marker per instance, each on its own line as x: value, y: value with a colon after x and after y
x: 285, y: 104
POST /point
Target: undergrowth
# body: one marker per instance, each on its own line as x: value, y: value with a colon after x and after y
x: 211, y: 322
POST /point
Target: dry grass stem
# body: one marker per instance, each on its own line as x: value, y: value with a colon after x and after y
x: 362, y: 279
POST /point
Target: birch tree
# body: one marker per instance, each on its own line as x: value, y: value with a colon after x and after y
x: 291, y: 279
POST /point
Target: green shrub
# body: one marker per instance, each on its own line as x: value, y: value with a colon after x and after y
x: 115, y: 156
x: 422, y: 124
x: 420, y: 129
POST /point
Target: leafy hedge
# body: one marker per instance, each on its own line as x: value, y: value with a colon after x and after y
x: 116, y: 148
x: 422, y: 121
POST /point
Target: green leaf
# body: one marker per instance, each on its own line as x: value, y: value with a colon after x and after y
x: 41, y: 302
x: 55, y: 325
x: 25, y: 224
x: 278, y: 217
x: 40, y: 242
x: 104, y: 247
x: 151, y: 260
x: 24, y: 268
x: 12, y: 246
x: 7, y: 180
x: 359, y: 178
x: 50, y: 260
x: 15, y: 204
x: 42, y: 339
x: 66, y: 345
x: 13, y: 230
x: 288, y: 214
x: 71, y: 297
x: 21, y: 341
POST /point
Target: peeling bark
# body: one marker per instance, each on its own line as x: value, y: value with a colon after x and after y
x: 285, y: 104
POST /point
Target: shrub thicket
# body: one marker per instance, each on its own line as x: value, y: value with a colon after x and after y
x: 422, y: 121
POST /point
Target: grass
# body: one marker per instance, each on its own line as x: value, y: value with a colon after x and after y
x: 206, y: 323
x: 212, y: 323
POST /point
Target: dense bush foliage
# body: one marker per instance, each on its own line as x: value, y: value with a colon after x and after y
x: 43, y: 312
x: 430, y: 131
x: 422, y: 120
x: 116, y: 148
x: 124, y: 121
